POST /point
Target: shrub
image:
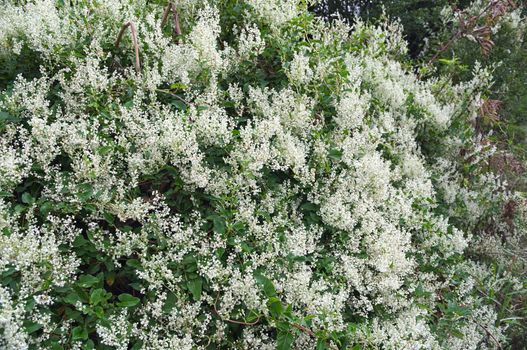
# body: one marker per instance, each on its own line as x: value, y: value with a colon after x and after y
x: 260, y: 180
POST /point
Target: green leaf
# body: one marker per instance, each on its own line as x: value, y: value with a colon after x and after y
x: 98, y: 296
x: 45, y: 208
x: 136, y: 264
x: 79, y: 333
x: 335, y: 154
x: 72, y: 298
x: 456, y: 333
x: 449, y: 62
x: 19, y: 208
x: 275, y: 307
x: 284, y: 341
x: 266, y: 284
x: 5, y: 194
x: 220, y: 252
x: 246, y: 247
x: 89, y: 345
x: 27, y: 198
x: 31, y: 327
x: 87, y: 281
x: 321, y: 345
x: 30, y: 304
x: 309, y: 207
x: 79, y: 241
x: 182, y: 106
x: 195, y: 288
x: 85, y: 192
x: 104, y: 150
x: 109, y: 217
x: 127, y: 300
x: 190, y: 263
x: 283, y: 326
x: 56, y: 346
x: 218, y: 224
x: 136, y: 286
x: 6, y: 117
x: 99, y: 311
x: 137, y: 346
x: 178, y: 86
x: 169, y: 302
x: 73, y: 314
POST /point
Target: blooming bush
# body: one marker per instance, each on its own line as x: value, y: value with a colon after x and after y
x: 260, y: 180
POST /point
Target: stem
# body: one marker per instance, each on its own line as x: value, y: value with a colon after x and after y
x: 295, y: 325
x: 445, y: 46
x: 304, y: 329
x: 233, y: 321
x: 310, y: 333
x: 462, y: 31
x: 490, y: 335
x: 133, y: 32
x: 176, y: 28
x: 174, y: 95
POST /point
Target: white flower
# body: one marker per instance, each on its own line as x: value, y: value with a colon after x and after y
x: 274, y: 12
x: 251, y: 43
x: 300, y: 73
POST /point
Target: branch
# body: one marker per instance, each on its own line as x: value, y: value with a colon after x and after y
x: 465, y: 27
x: 304, y: 329
x: 176, y: 29
x: 233, y: 321
x: 310, y: 333
x: 168, y: 92
x: 295, y: 325
x: 490, y: 334
x: 133, y: 32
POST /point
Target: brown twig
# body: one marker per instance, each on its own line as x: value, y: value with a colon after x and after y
x: 445, y: 46
x: 176, y: 28
x: 491, y: 335
x: 309, y: 332
x: 133, y: 32
x: 304, y: 329
x: 466, y: 27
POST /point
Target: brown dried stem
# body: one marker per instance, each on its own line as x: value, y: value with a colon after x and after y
x: 482, y: 33
x: 304, y: 329
x: 490, y: 335
x: 133, y: 32
x: 176, y: 28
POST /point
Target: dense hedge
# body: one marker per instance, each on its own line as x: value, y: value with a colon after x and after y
x: 255, y: 179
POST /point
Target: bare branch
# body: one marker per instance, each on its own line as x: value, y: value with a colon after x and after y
x: 133, y: 32
x: 493, y: 10
x: 490, y: 335
x: 176, y: 28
